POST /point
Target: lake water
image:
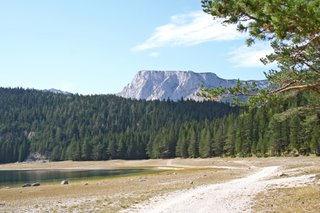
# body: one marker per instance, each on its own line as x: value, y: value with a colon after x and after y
x: 15, y: 177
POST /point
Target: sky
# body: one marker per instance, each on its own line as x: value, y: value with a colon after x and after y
x: 97, y: 46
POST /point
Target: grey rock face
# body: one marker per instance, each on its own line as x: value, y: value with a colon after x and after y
x: 174, y: 85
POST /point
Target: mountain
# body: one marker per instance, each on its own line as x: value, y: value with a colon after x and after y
x: 174, y: 85
x: 56, y: 91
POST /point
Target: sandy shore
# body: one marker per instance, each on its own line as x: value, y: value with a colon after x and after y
x: 200, y: 185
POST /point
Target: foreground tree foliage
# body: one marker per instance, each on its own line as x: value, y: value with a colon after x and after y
x: 293, y: 29
x: 75, y: 127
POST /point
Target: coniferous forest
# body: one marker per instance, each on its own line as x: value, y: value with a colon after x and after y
x: 102, y: 127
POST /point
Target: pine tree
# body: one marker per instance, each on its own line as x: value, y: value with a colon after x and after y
x: 86, y: 150
x: 291, y: 27
x: 182, y: 146
x: 295, y: 137
x: 193, y: 144
x: 229, y: 147
x: 112, y: 149
x: 315, y: 140
x: 205, y: 143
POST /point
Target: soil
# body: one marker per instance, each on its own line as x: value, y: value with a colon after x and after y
x: 179, y: 185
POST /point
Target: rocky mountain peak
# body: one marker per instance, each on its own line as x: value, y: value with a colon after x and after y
x: 173, y: 85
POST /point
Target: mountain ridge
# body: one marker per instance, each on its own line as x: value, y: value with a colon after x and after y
x: 175, y: 85
x: 57, y: 91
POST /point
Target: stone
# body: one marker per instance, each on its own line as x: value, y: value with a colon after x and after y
x: 26, y: 185
x: 35, y: 184
x: 283, y: 175
x: 64, y: 182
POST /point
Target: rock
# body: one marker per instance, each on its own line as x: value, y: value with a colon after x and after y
x: 283, y: 175
x: 142, y: 179
x: 26, y: 185
x: 174, y: 85
x: 35, y: 184
x: 36, y: 157
x: 64, y: 182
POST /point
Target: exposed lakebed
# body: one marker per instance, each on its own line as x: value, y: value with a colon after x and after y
x: 16, y: 177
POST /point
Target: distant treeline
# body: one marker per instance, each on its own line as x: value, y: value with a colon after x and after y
x: 98, y: 127
x: 102, y: 127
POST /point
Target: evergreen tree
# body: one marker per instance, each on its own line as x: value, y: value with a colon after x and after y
x: 205, y: 143
x: 315, y: 140
x: 231, y: 135
x: 193, y: 144
x: 291, y: 27
x: 182, y: 146
x: 86, y: 150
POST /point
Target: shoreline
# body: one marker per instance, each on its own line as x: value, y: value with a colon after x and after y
x: 120, y: 193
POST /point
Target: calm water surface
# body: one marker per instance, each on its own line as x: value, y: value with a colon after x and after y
x: 15, y: 177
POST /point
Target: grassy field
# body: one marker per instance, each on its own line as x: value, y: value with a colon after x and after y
x: 114, y: 194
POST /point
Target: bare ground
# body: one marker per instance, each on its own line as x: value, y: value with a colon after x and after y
x: 182, y: 182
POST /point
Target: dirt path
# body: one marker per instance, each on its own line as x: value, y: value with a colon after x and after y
x: 173, y: 165
x: 232, y: 196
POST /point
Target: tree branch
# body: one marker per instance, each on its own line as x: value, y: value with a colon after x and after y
x: 286, y: 86
x: 312, y: 87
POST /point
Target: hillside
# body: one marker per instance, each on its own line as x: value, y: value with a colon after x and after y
x: 90, y: 127
x: 102, y: 127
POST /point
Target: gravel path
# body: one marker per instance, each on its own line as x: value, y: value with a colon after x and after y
x: 232, y: 196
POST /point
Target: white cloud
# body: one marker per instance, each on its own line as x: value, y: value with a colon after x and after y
x: 154, y: 54
x: 189, y: 29
x: 249, y: 56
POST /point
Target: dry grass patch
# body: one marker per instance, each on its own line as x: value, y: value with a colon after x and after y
x: 111, y: 194
x: 114, y: 194
x: 302, y: 199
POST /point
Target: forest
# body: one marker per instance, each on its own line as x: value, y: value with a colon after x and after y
x: 95, y: 127
x: 103, y: 127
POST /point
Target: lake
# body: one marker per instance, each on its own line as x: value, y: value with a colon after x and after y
x: 15, y: 177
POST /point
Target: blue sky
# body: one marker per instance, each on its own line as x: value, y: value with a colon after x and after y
x: 97, y: 46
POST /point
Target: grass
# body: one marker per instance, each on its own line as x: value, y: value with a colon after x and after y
x: 287, y: 200
x: 299, y: 199
x: 116, y: 193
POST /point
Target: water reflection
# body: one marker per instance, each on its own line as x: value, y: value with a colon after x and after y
x: 13, y: 177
